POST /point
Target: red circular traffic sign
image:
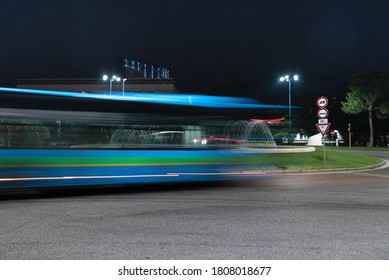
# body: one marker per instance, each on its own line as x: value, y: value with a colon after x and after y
x: 322, y: 102
x: 322, y: 113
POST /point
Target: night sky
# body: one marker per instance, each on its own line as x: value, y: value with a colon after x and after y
x: 201, y: 42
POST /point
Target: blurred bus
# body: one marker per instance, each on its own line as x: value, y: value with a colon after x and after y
x: 54, y: 138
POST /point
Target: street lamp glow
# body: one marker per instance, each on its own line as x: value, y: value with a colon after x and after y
x: 286, y: 79
x: 114, y: 78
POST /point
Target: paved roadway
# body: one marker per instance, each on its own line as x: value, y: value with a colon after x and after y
x: 309, y: 216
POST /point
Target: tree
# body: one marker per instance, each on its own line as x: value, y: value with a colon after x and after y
x: 368, y: 92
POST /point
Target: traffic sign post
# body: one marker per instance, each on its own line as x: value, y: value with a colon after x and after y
x: 319, y: 121
x: 322, y: 113
x: 323, y: 128
x: 322, y: 102
x: 323, y: 125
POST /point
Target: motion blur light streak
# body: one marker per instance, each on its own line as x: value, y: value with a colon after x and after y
x: 160, y: 98
x: 86, y: 177
x: 45, y: 147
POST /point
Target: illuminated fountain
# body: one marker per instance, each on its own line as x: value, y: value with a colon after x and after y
x: 250, y: 134
x: 255, y: 134
x: 125, y: 136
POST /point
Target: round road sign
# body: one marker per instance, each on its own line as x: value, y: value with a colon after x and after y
x: 322, y: 102
x: 322, y: 113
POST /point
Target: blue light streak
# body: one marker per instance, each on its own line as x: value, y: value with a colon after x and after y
x: 194, y: 100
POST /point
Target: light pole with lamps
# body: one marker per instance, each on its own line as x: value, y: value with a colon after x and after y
x: 124, y: 80
x: 114, y: 78
x: 288, y: 79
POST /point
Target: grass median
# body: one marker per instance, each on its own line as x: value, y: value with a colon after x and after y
x: 335, y: 158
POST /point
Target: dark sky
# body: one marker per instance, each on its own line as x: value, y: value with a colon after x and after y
x: 201, y: 42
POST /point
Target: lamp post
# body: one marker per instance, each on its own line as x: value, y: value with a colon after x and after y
x: 124, y: 80
x: 349, y: 135
x: 114, y: 78
x: 288, y: 79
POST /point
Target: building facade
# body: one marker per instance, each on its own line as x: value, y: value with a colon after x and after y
x: 94, y: 85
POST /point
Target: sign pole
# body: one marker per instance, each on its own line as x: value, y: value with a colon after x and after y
x: 323, y: 125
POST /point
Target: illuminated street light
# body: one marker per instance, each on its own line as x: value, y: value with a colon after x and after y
x: 114, y: 78
x: 124, y: 80
x: 287, y: 79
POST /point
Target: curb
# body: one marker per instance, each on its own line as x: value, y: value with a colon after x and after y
x: 324, y: 170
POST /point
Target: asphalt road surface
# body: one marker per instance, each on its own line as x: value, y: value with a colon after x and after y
x: 297, y: 216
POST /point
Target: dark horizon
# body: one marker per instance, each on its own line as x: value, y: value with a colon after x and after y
x: 201, y: 42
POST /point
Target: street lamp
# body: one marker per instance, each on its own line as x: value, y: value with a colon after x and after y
x: 286, y: 78
x: 124, y: 80
x: 114, y: 78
